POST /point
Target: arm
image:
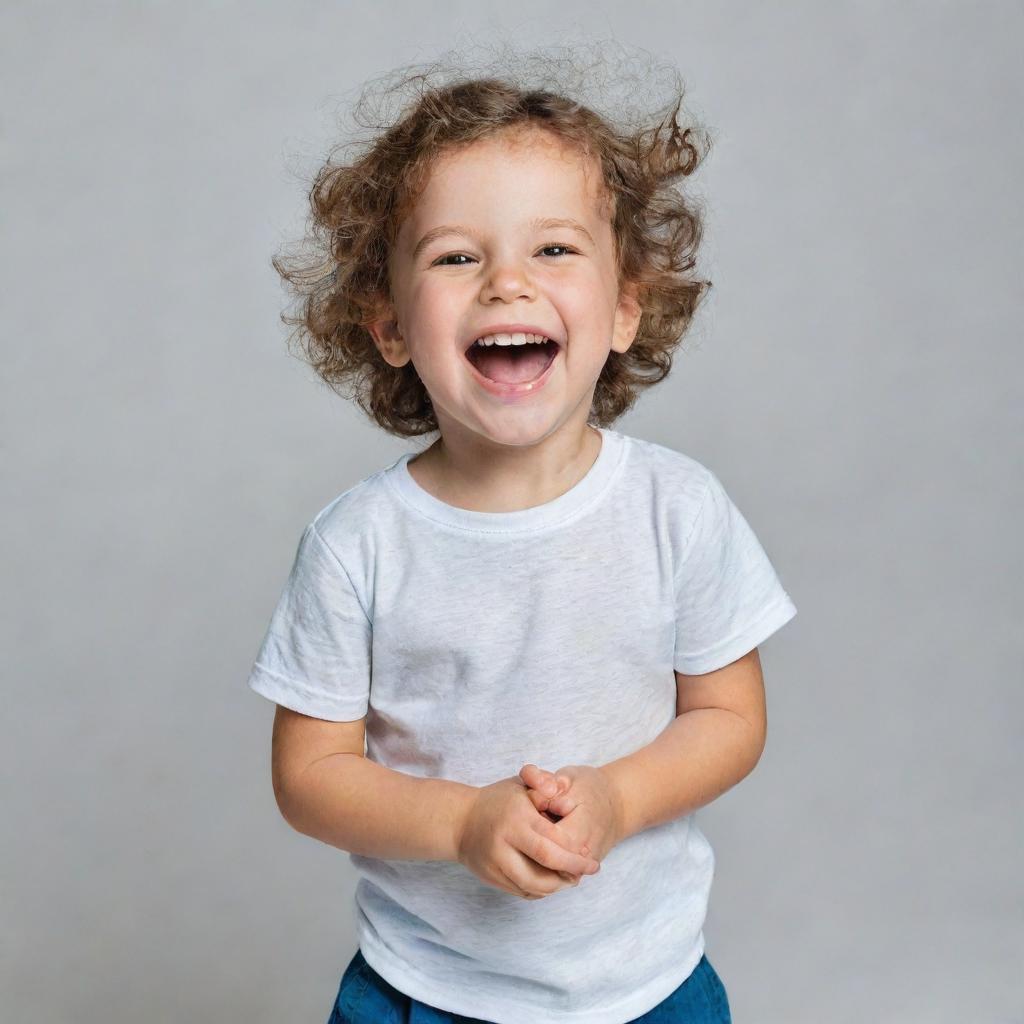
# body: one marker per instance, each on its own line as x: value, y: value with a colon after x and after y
x: 360, y: 806
x: 716, y: 739
x: 327, y: 789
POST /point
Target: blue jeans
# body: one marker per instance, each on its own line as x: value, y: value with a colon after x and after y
x: 366, y: 998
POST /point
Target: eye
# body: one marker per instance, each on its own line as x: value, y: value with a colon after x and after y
x: 443, y: 261
x: 452, y: 255
x: 567, y: 248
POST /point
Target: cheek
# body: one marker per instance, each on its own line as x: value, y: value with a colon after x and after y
x: 583, y: 297
x: 587, y: 319
x: 434, y: 316
x: 437, y: 301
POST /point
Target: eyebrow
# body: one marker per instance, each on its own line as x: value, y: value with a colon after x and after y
x: 540, y: 223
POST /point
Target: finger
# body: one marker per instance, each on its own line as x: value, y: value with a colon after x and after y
x: 517, y: 890
x: 539, y: 801
x: 563, y: 804
x: 533, y: 877
x: 534, y: 880
x: 583, y: 850
x: 543, y: 846
x: 538, y: 779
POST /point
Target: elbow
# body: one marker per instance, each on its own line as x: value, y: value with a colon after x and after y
x: 756, y: 757
x: 756, y: 738
x: 287, y: 804
x: 759, y: 732
x: 757, y: 744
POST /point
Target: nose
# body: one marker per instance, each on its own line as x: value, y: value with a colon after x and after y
x: 508, y: 280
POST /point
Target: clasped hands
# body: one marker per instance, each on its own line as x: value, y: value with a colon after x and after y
x: 538, y: 832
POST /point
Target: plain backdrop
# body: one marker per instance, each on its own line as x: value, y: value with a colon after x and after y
x: 854, y: 379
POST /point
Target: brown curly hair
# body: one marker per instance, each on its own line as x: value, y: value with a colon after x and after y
x: 340, y: 277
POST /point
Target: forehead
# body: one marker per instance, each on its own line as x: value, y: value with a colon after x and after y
x: 526, y: 173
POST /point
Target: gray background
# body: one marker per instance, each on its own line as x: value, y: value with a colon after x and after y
x: 854, y: 380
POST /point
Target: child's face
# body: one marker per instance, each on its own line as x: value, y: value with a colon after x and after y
x: 498, y: 266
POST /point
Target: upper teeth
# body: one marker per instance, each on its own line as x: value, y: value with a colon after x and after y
x: 511, y: 339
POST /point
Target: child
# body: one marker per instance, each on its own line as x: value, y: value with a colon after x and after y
x: 535, y: 593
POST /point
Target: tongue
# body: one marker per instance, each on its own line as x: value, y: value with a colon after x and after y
x: 512, y: 364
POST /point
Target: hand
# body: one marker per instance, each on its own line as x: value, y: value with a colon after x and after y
x: 507, y: 844
x: 584, y: 802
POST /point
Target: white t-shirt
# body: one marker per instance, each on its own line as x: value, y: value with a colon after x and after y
x: 475, y: 642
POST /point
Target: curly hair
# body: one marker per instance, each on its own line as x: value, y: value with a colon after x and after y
x: 340, y: 278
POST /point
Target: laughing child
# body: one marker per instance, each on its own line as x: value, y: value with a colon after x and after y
x: 508, y: 268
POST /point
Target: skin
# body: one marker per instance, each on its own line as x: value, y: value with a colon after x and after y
x: 716, y: 740
x: 496, y: 454
x: 506, y: 843
x: 584, y: 800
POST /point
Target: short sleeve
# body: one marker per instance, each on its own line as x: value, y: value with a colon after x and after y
x: 315, y: 657
x: 728, y: 596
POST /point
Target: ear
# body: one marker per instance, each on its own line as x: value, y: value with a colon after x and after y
x: 627, y: 317
x: 387, y: 336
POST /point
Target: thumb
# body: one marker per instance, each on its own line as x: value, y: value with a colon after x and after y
x: 538, y: 799
x: 562, y: 804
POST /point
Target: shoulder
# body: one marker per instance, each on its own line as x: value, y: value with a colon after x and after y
x: 676, y: 492
x: 669, y: 476
x: 349, y: 522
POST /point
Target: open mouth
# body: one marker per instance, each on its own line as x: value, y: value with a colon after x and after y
x: 513, y: 364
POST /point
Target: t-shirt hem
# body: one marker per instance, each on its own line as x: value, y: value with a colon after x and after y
x: 306, y: 701
x: 773, y: 619
x: 417, y: 986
